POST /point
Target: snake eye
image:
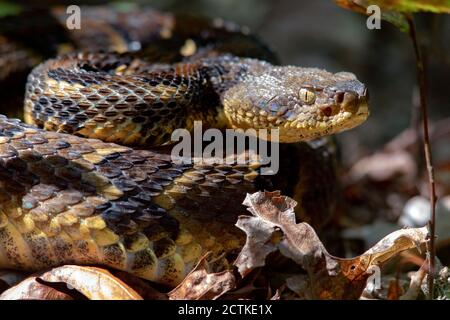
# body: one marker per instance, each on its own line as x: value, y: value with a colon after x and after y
x: 307, y: 96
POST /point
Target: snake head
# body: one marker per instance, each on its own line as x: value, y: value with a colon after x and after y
x: 303, y: 103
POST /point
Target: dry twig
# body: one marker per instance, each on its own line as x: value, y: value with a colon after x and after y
x: 421, y: 78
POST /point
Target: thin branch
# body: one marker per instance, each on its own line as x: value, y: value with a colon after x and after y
x: 427, y: 149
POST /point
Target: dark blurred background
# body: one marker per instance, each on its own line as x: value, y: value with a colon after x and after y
x: 321, y: 34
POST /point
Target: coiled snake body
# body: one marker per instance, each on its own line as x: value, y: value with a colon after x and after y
x: 67, y: 197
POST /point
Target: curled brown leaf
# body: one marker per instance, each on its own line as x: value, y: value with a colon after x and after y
x: 273, y: 227
x: 33, y: 289
x: 94, y: 283
x: 199, y: 284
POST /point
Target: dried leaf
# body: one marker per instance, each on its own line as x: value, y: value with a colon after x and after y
x: 201, y: 285
x: 416, y: 281
x: 255, y: 287
x: 32, y: 289
x: 142, y: 287
x: 277, y: 295
x: 394, y: 243
x: 260, y: 243
x: 94, y: 283
x: 394, y: 290
x: 273, y: 227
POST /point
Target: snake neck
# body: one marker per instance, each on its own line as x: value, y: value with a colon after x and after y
x: 224, y: 71
x: 218, y: 75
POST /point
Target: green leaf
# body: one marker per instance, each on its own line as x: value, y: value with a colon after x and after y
x: 398, y: 19
x: 405, y: 6
x: 436, y: 6
x: 394, y: 11
x: 394, y: 17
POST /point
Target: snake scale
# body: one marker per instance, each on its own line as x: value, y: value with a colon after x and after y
x: 86, y: 181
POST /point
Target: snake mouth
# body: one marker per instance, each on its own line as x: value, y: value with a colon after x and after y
x: 363, y: 111
x: 335, y: 112
x: 357, y: 118
x: 347, y: 116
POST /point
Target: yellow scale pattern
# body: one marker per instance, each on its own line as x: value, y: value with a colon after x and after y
x: 65, y: 199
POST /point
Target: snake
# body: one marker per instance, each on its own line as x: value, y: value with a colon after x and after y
x: 89, y: 178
